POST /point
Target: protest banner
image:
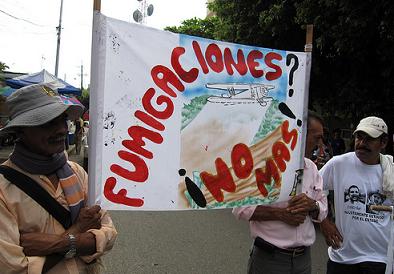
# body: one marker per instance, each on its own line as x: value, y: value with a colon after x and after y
x: 182, y: 122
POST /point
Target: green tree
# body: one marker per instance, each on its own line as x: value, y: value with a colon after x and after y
x: 3, y: 66
x: 205, y: 28
x: 84, y: 98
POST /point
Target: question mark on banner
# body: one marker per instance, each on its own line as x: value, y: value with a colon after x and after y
x: 289, y: 57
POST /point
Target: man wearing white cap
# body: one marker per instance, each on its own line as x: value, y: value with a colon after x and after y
x: 45, y: 224
x: 358, y: 240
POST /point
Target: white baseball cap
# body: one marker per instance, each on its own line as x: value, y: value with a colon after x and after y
x: 373, y: 126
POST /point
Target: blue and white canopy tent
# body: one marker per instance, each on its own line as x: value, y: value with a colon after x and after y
x: 44, y: 77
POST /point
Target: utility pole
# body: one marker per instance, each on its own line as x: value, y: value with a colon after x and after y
x: 82, y: 75
x: 59, y: 30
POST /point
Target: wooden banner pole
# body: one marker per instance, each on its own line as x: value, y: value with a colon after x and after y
x: 97, y: 5
x: 94, y: 79
x: 309, y: 38
x: 308, y: 64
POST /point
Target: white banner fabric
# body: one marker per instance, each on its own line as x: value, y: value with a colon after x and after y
x: 182, y: 122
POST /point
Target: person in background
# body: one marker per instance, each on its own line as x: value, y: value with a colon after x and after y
x: 78, y: 135
x: 67, y: 141
x: 85, y: 143
x: 337, y: 143
x: 33, y: 238
x: 322, y: 152
x: 358, y: 240
x: 283, y: 232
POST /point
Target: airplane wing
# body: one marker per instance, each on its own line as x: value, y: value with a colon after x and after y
x: 238, y: 86
x: 227, y: 86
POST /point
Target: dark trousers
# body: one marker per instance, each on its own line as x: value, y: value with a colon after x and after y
x: 264, y: 262
x: 360, y: 268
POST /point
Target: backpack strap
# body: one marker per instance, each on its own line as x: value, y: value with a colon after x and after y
x: 38, y: 194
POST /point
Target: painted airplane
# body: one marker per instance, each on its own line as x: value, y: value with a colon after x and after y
x: 241, y: 93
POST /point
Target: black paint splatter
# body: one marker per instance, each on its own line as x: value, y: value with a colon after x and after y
x: 182, y: 172
x: 194, y: 192
x: 115, y: 43
x: 109, y: 120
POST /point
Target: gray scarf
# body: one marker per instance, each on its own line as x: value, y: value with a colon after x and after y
x: 35, y: 163
x: 46, y: 165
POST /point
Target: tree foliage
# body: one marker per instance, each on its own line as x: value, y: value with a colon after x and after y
x: 84, y: 98
x: 353, y: 61
x: 3, y: 66
x: 205, y: 28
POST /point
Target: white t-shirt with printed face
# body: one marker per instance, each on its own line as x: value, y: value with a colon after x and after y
x: 357, y: 186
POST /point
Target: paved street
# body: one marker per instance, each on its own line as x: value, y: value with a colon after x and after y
x: 193, y: 242
x: 186, y: 242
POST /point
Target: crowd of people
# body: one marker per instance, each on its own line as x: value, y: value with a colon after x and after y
x: 77, y: 134
x: 48, y: 226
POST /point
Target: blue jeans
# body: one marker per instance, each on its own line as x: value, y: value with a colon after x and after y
x: 360, y: 268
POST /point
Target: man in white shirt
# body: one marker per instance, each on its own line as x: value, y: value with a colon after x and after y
x: 358, y: 239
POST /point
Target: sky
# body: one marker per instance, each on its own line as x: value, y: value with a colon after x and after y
x: 28, y: 31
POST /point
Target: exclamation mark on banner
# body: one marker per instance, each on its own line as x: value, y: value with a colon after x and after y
x: 287, y: 111
x: 194, y: 191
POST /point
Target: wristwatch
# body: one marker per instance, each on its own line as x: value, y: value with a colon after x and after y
x: 314, y: 213
x: 72, y: 251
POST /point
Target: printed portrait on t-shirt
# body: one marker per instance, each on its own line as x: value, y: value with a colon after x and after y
x: 354, y: 196
x: 374, y: 198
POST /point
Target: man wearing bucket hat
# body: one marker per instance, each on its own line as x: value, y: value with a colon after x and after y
x: 45, y: 224
x: 358, y: 241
